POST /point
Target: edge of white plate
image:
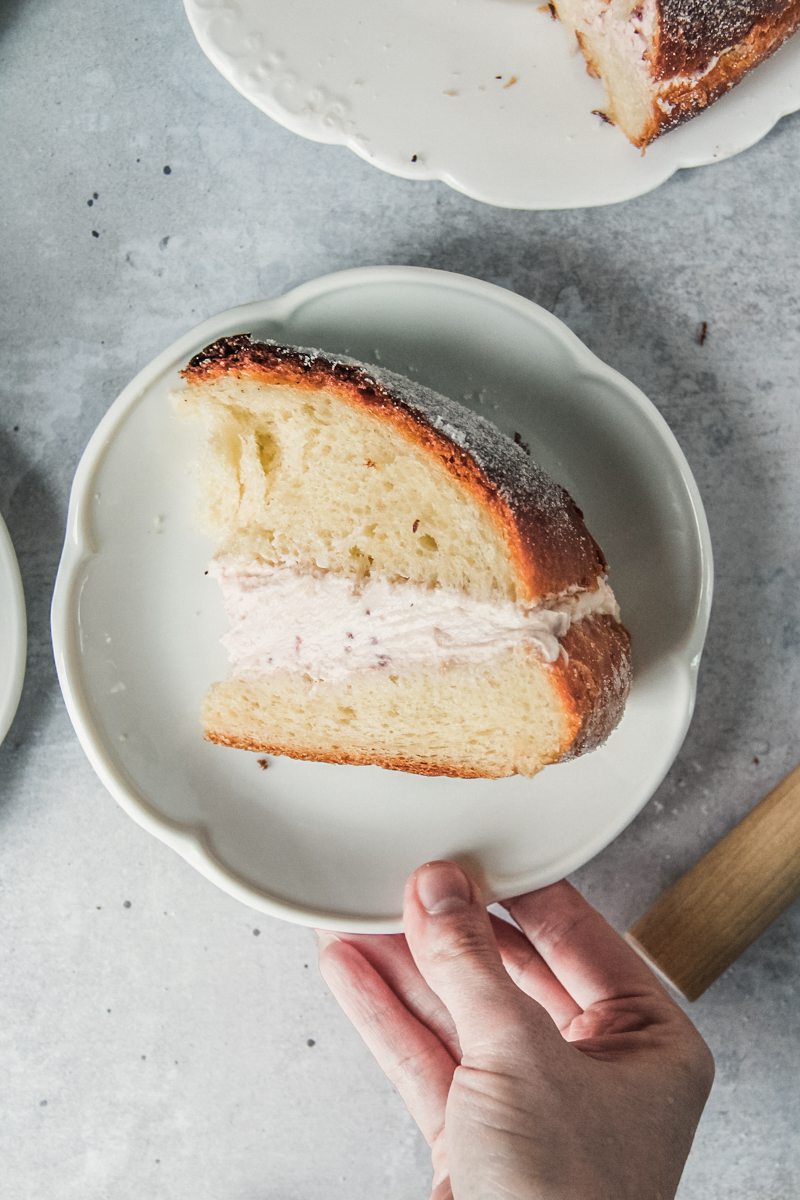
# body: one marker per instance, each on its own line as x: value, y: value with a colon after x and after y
x: 304, y: 126
x: 190, y: 841
x: 684, y: 163
x: 11, y: 686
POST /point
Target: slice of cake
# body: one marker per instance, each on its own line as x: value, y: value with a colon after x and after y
x: 404, y: 586
x: 664, y: 61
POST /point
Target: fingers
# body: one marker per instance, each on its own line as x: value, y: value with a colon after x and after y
x: 450, y: 936
x: 585, y: 954
x: 390, y: 956
x: 411, y: 1056
x: 531, y: 973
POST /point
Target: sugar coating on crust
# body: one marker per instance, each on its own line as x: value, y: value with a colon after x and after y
x: 692, y: 32
x: 540, y: 513
x: 679, y: 101
x: 596, y: 671
x: 692, y: 53
x: 499, y: 458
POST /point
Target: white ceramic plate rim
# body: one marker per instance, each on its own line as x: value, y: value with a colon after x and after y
x: 14, y: 670
x: 189, y: 840
x: 742, y: 134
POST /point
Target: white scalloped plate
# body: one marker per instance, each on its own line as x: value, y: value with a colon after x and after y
x: 487, y: 95
x: 13, y: 632
x: 136, y: 624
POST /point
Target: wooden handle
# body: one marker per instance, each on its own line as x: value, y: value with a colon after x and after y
x: 700, y: 925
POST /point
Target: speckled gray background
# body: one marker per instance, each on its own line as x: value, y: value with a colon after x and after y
x: 158, y: 1039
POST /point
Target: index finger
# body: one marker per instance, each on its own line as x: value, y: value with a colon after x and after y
x: 582, y: 950
x: 408, y: 1052
x: 390, y: 956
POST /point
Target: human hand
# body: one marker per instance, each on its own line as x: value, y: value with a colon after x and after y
x: 543, y: 1062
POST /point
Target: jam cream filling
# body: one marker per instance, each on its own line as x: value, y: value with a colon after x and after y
x: 327, y: 626
x: 630, y: 29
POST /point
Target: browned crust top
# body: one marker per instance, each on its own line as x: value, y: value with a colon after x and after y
x: 693, y: 32
x: 594, y: 679
x: 682, y: 101
x: 543, y: 527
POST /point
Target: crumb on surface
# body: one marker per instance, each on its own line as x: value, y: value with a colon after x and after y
x: 702, y: 333
x: 263, y: 763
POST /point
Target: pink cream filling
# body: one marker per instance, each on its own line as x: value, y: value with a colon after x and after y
x: 327, y: 625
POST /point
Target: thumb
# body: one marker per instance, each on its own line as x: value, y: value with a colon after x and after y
x: 450, y: 935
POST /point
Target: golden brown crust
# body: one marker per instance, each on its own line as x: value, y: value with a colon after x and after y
x: 594, y: 680
x: 689, y: 47
x: 743, y: 37
x: 547, y: 539
x: 317, y: 754
x: 690, y: 33
x: 680, y: 101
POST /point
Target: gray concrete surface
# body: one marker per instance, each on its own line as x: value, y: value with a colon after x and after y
x: 159, y: 1039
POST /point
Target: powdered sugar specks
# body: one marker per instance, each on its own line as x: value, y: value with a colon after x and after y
x: 694, y: 32
x: 556, y: 548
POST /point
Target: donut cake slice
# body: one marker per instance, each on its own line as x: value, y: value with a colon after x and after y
x: 404, y: 586
x: 664, y: 61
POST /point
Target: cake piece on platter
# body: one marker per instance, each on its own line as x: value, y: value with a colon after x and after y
x: 404, y: 586
x: 664, y: 61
